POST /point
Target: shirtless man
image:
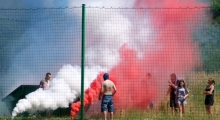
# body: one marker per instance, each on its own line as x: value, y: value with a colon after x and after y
x: 107, y: 101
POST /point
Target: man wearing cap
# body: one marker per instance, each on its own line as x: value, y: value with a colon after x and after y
x: 107, y: 101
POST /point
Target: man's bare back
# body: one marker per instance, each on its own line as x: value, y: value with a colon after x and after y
x: 107, y: 99
x: 107, y: 87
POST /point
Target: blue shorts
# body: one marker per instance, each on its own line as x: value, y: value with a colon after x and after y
x: 107, y: 103
x: 181, y: 101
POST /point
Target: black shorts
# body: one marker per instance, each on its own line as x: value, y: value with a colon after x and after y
x: 173, y: 103
x: 209, y: 101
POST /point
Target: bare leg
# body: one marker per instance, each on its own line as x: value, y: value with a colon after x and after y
x: 210, y: 110
x: 183, y: 108
x: 207, y: 108
x: 176, y: 110
x: 105, y: 115
x: 180, y: 109
x: 111, y: 115
x: 173, y: 110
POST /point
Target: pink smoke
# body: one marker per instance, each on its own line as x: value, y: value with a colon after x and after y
x: 177, y: 52
x: 91, y: 94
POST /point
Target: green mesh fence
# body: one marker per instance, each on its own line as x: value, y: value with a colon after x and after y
x: 139, y: 48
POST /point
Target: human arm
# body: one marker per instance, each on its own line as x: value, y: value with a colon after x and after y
x: 168, y: 91
x: 44, y: 87
x: 41, y: 84
x: 100, y: 93
x: 177, y: 92
x: 210, y: 91
x: 187, y: 94
x: 171, y: 84
x: 114, y: 88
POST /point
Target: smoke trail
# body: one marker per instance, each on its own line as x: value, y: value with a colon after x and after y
x: 101, y: 50
x: 91, y: 94
x: 129, y: 61
x: 174, y: 51
x: 93, y: 52
x: 65, y: 88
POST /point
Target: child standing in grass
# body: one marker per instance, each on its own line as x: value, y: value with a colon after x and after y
x: 182, y: 93
x: 209, y: 98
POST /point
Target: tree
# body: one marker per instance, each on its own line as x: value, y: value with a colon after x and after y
x: 215, y: 9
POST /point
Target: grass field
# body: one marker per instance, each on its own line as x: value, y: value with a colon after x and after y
x: 134, y: 115
x: 195, y: 110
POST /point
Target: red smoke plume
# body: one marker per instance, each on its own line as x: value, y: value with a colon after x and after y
x: 168, y: 3
x: 91, y: 94
x: 134, y: 89
x: 174, y: 51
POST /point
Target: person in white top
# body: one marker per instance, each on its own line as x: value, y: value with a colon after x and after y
x: 45, y: 83
x: 182, y: 93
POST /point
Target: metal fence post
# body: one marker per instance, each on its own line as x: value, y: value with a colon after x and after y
x: 82, y: 61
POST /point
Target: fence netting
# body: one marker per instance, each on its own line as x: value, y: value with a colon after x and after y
x: 138, y: 47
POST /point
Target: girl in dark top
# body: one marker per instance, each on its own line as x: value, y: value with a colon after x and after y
x: 209, y: 98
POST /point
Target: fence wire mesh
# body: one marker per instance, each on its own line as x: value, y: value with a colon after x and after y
x: 139, y: 48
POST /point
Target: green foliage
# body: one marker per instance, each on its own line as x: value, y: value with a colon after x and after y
x: 209, y: 41
x: 208, y: 37
x: 215, y: 8
x: 211, y: 51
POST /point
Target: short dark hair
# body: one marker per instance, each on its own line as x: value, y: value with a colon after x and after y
x: 48, y: 74
x: 105, y: 76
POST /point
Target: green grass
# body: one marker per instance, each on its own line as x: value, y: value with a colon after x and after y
x: 131, y: 115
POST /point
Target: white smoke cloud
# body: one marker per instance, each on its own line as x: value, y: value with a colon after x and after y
x: 103, y: 50
x: 106, y: 33
x: 103, y: 3
x: 65, y: 88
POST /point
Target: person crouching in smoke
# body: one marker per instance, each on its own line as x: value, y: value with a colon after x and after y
x: 107, y: 101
